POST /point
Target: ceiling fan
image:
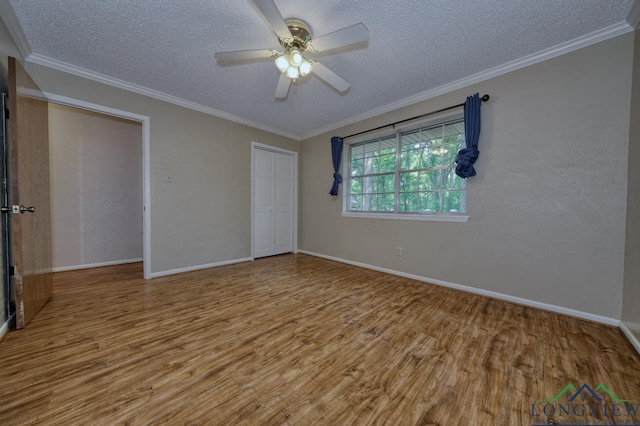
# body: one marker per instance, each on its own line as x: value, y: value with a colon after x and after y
x: 296, y: 38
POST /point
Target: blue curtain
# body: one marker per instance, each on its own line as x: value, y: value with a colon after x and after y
x: 336, y: 156
x: 467, y: 156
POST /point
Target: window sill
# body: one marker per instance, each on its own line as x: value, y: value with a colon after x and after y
x: 419, y: 217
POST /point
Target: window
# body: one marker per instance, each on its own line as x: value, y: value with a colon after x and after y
x: 411, y: 172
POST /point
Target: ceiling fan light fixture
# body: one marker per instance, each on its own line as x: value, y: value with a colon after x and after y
x: 296, y: 58
x: 282, y: 62
x: 296, y: 38
x: 305, y: 68
x: 293, y: 72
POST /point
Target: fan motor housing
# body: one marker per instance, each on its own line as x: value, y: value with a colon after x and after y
x: 301, y: 32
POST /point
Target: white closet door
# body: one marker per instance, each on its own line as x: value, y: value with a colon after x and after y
x: 283, y: 204
x: 273, y: 203
x: 263, y: 184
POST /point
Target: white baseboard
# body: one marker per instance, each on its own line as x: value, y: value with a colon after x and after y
x: 630, y: 336
x: 95, y: 265
x: 198, y: 267
x: 495, y: 295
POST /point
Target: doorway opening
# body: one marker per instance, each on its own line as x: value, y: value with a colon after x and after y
x: 95, y: 163
x: 145, y: 169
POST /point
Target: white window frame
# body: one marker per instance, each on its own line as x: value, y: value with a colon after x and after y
x: 430, y: 217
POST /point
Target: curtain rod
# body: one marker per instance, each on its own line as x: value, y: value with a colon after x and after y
x: 485, y: 98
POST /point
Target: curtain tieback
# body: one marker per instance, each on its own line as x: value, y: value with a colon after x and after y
x: 467, y: 154
x: 337, y: 176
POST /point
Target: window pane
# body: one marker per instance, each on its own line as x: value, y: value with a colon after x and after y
x: 388, y: 149
x: 428, y: 183
x: 453, y: 132
x: 378, y: 202
x: 385, y: 183
x: 355, y: 202
x: 409, y: 181
x: 438, y: 155
x: 452, y: 202
x: 386, y: 202
x: 448, y: 156
x: 411, y: 140
x: 436, y: 145
x: 357, y: 167
x: 430, y: 180
x: 356, y: 185
x: 453, y: 181
x: 410, y: 159
x: 430, y: 202
x: 357, y: 152
x: 387, y: 163
x: 463, y: 201
x: 408, y: 202
x: 367, y: 201
x: 380, y: 164
x: 371, y: 202
x: 369, y: 164
x: 367, y: 184
x: 429, y: 157
x: 370, y: 148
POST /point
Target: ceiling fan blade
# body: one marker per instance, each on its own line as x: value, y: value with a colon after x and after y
x: 283, y: 86
x: 354, y: 34
x: 245, y: 54
x: 340, y: 84
x: 271, y: 13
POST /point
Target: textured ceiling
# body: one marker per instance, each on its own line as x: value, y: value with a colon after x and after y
x: 414, y: 46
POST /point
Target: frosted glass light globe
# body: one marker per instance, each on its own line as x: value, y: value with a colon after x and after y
x: 296, y: 58
x: 292, y: 72
x: 305, y: 68
x: 282, y: 63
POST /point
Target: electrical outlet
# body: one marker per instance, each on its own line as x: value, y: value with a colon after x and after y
x: 399, y: 251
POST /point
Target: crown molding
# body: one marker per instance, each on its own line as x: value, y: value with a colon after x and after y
x: 145, y: 91
x: 15, y: 29
x: 543, y: 55
x: 633, y: 19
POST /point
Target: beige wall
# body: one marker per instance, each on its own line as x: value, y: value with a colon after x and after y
x: 200, y: 217
x: 547, y: 207
x: 96, y: 187
x: 631, y: 304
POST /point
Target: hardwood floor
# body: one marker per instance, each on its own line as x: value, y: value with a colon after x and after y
x: 299, y: 340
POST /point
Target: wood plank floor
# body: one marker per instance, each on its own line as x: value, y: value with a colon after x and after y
x: 297, y: 340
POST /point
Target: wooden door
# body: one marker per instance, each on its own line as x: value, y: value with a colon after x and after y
x: 273, y: 203
x: 29, y: 187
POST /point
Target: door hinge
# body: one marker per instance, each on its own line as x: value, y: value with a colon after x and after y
x: 6, y: 113
x: 12, y: 271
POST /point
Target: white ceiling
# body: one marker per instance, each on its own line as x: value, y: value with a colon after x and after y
x: 416, y: 49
